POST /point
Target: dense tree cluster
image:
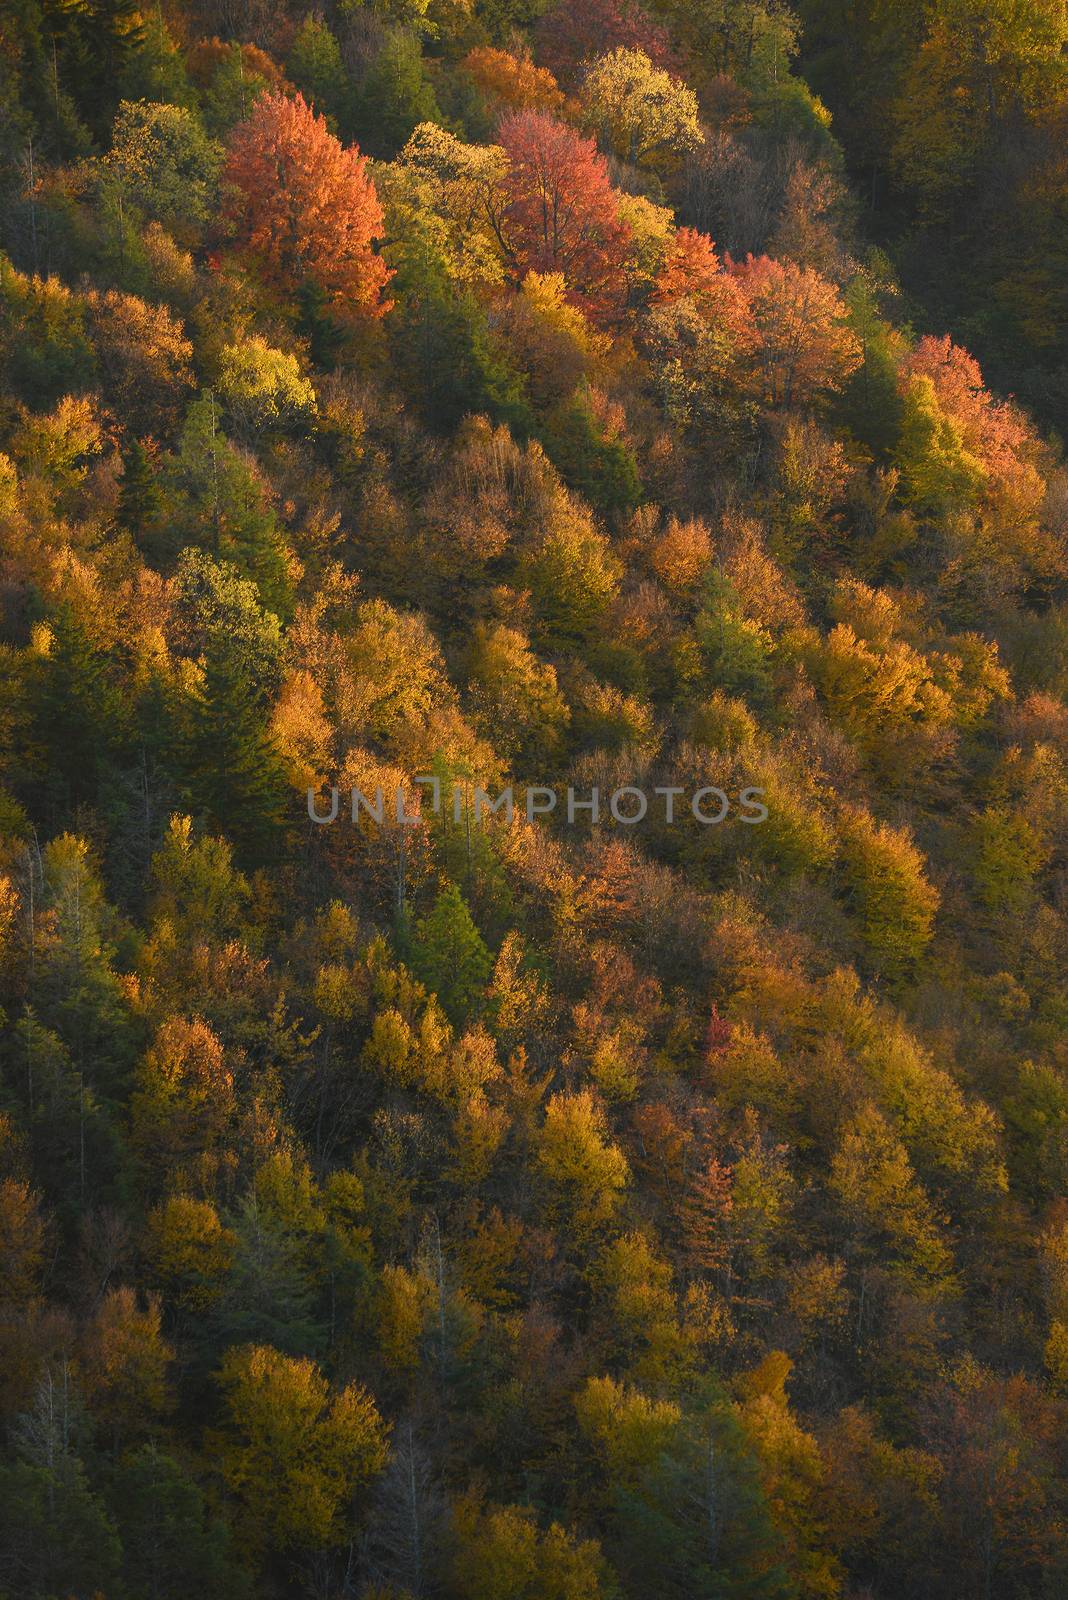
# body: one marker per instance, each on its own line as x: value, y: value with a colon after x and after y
x: 441, y: 1204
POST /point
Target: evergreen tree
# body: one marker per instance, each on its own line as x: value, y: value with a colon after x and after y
x: 314, y: 64
x: 689, y: 1519
x: 55, y: 1536
x: 233, y: 774
x: 100, y: 37
x: 870, y: 404
x: 450, y: 956
x: 172, y: 1547
x: 154, y: 69
x: 140, y: 499
x: 445, y: 347
x: 601, y: 468
x: 394, y: 97
x: 219, y: 498
x: 268, y: 1296
x: 78, y: 719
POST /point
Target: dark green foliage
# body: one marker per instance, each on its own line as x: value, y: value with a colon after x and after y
x: 154, y: 69
x: 696, y: 1524
x: 171, y: 1545
x: 394, y: 96
x: 267, y: 1298
x: 46, y: 351
x: 55, y: 1536
x: 217, y: 489
x: 74, y: 1141
x: 448, y: 353
x: 603, y: 470
x: 314, y: 65
x: 78, y: 713
x: 140, y: 499
x: 871, y: 403
x: 95, y: 43
x: 735, y: 648
x: 232, y: 772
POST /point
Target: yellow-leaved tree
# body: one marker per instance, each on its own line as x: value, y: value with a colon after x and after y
x: 885, y: 876
x: 640, y: 111
x: 585, y: 1172
x: 295, y: 1452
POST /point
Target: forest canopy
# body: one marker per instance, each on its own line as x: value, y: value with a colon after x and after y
x: 461, y: 1202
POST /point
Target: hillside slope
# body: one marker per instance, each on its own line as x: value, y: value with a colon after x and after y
x: 662, y: 1196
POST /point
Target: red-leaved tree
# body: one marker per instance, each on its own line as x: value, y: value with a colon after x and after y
x: 304, y: 209
x: 560, y: 212
x: 693, y: 271
x: 995, y: 430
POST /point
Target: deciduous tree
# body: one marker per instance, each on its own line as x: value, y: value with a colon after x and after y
x: 804, y: 346
x: 573, y: 33
x: 164, y: 165
x: 144, y: 358
x: 304, y: 209
x: 583, y: 1168
x: 295, y: 1452
x: 124, y: 1363
x: 897, y: 904
x: 510, y: 80
x: 640, y: 111
x: 560, y: 212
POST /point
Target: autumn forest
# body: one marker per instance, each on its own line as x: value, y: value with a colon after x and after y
x: 446, y: 398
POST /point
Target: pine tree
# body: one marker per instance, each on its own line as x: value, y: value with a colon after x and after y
x: 233, y: 773
x: 450, y: 956
x: 140, y: 500
x: 78, y: 713
x: 104, y: 37
x: 442, y: 340
x: 314, y: 64
x: 601, y: 468
x: 395, y: 97
x: 171, y: 1546
x: 55, y: 1536
x: 268, y: 1295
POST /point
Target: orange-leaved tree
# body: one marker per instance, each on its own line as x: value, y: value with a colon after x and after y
x: 512, y: 80
x: 995, y: 430
x: 803, y: 343
x: 303, y: 207
x: 693, y: 271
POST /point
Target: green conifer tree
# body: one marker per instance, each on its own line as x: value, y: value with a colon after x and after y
x: 233, y: 774
x: 394, y: 97
x: 450, y: 955
x: 140, y: 500
x: 78, y: 714
x: 171, y: 1546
